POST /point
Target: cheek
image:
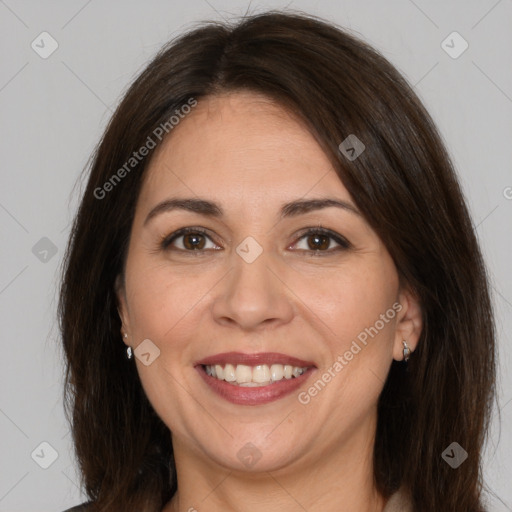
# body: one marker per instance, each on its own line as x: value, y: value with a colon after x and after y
x: 163, y: 308
x: 351, y: 298
x: 356, y: 310
x: 162, y: 299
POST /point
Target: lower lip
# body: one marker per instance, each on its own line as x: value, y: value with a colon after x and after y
x: 242, y: 395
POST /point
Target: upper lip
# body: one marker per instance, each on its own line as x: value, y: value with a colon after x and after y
x: 267, y: 358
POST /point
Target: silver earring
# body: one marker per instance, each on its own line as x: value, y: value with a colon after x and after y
x: 407, y: 351
x: 129, y: 353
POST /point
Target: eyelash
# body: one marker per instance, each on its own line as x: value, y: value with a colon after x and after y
x: 343, y: 243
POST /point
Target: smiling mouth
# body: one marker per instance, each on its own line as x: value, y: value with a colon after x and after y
x: 254, y: 379
x: 253, y: 376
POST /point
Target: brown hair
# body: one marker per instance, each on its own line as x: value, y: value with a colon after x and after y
x: 404, y: 185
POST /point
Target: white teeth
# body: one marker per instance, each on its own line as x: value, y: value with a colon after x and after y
x: 297, y: 372
x: 276, y: 372
x: 229, y: 373
x: 243, y: 373
x: 253, y: 376
x: 219, y: 371
x: 261, y: 373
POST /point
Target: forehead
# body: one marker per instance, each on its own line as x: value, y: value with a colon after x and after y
x: 240, y: 147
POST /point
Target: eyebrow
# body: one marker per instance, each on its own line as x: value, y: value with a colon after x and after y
x: 211, y: 209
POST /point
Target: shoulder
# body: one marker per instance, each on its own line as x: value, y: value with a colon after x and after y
x: 399, y: 502
x: 84, y: 507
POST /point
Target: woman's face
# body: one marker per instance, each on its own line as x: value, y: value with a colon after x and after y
x: 302, y: 323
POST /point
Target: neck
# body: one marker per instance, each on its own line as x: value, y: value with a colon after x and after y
x: 333, y: 481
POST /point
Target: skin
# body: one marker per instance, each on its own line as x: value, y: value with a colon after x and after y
x: 250, y: 156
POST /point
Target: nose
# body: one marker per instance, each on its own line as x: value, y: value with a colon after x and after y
x: 253, y: 296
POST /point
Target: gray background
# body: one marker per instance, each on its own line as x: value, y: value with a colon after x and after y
x: 54, y: 110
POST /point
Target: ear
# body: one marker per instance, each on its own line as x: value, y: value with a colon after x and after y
x: 409, y: 323
x: 122, y: 308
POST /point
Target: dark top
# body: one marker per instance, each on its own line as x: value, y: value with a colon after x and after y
x: 398, y: 502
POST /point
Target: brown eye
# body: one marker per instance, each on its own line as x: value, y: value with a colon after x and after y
x: 188, y: 240
x: 318, y: 242
x: 321, y: 240
x: 193, y: 241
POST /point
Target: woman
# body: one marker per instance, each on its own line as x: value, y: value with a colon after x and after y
x: 274, y: 229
